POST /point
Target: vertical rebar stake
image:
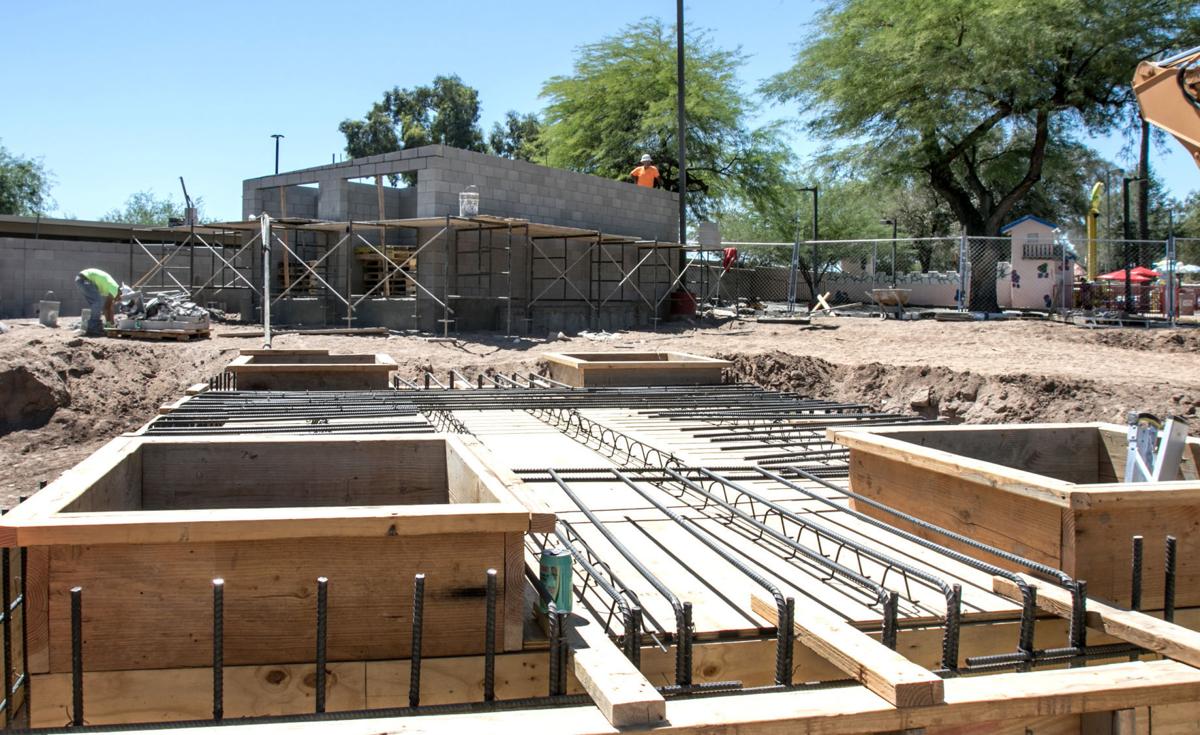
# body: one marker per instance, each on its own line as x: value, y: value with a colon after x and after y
x: 555, y: 623
x: 890, y: 609
x: 218, y: 654
x: 322, y: 602
x: 489, y: 641
x: 414, y: 678
x: 6, y: 574
x: 77, y: 656
x: 1135, y: 584
x: 28, y: 683
x: 1169, y: 582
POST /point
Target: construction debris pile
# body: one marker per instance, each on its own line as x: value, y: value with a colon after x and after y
x: 164, y: 310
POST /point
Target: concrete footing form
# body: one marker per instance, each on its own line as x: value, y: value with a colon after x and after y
x: 370, y: 560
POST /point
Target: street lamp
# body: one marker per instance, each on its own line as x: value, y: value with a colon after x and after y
x: 1125, y: 182
x: 277, y: 136
x: 892, y: 222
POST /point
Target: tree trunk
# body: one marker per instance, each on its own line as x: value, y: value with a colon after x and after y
x: 1143, y: 200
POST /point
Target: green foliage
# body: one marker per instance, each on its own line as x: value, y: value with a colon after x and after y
x: 24, y: 185
x: 619, y: 102
x: 143, y: 208
x: 518, y: 137
x: 446, y: 112
x: 966, y: 95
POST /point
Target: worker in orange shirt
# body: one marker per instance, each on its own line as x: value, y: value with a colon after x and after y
x: 646, y: 174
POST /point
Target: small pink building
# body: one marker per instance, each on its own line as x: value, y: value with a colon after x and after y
x: 1036, y: 274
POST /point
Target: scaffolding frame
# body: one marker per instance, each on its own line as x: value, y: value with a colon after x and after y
x: 464, y: 258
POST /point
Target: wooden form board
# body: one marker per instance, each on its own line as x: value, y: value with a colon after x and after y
x: 592, y: 369
x: 1085, y: 530
x: 1027, y: 697
x: 268, y: 370
x: 880, y: 669
x: 147, y: 574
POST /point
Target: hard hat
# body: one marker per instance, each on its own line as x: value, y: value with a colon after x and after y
x: 646, y: 158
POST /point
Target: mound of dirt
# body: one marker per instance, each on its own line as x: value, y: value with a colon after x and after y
x: 958, y: 396
x: 28, y: 399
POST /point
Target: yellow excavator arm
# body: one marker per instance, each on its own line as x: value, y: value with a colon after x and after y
x: 1168, y: 92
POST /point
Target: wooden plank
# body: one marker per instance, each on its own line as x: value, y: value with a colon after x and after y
x: 844, y: 711
x: 1172, y: 641
x: 37, y: 606
x: 988, y: 474
x: 1053, y: 725
x: 1022, y: 525
x: 512, y: 593
x: 250, y: 473
x: 125, y: 697
x: 619, y: 690
x: 880, y: 669
x: 166, y: 526
x: 1104, y: 551
x: 459, y: 679
x: 1175, y: 719
x: 150, y: 606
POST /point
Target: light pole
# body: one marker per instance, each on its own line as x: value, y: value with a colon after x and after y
x: 681, y: 121
x: 892, y: 222
x: 277, y: 136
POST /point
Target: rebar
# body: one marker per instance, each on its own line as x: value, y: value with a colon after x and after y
x: 77, y: 657
x: 322, y: 603
x: 1169, y: 581
x: 1135, y: 584
x: 218, y: 653
x: 418, y: 623
x: 489, y: 640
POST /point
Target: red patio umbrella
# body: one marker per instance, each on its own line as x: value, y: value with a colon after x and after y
x: 1142, y: 270
x: 1134, y: 276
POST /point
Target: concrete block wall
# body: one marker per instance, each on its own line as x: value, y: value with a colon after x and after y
x: 507, y: 189
x: 29, y: 267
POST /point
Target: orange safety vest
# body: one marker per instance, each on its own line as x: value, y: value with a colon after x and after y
x: 645, y: 175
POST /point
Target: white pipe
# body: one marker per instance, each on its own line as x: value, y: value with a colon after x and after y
x: 265, y: 234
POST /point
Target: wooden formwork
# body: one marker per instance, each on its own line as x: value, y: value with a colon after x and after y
x: 1047, y: 492
x: 593, y: 369
x: 869, y: 687
x: 145, y: 525
x: 310, y: 370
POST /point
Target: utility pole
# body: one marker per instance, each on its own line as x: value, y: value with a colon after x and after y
x: 277, y: 136
x: 682, y: 121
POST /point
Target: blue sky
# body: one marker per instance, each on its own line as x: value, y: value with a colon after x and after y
x: 122, y: 96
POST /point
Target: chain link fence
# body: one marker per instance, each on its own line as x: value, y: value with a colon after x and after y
x: 958, y: 273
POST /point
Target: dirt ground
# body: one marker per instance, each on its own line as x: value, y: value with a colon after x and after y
x: 62, y: 396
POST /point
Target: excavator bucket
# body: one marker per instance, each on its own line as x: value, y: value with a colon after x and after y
x: 1168, y: 92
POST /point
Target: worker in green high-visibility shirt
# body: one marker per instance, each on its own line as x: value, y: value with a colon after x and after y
x: 100, y: 290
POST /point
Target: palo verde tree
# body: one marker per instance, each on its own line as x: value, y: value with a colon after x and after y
x: 446, y: 111
x: 943, y: 92
x: 619, y: 102
x: 24, y: 185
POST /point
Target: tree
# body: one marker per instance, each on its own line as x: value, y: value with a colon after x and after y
x: 143, y: 208
x: 967, y: 94
x: 24, y: 185
x: 518, y: 137
x: 446, y: 112
x: 619, y: 102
